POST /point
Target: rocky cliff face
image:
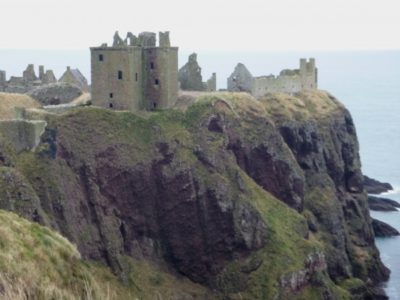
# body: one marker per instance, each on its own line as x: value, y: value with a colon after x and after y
x: 251, y: 199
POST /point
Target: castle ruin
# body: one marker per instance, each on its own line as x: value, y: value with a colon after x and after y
x: 30, y: 81
x: 288, y: 81
x: 134, y: 73
x: 27, y: 82
x: 190, y: 77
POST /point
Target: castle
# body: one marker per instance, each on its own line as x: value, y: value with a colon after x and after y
x: 288, y: 81
x: 135, y: 73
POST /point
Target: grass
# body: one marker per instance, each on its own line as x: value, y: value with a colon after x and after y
x: 86, y: 133
x: 38, y: 263
x: 8, y: 103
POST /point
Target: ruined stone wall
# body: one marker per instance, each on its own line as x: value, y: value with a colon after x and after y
x: 2, y: 80
x: 29, y: 81
x: 288, y: 81
x: 280, y: 84
x: 21, y: 134
x: 240, y: 80
x: 190, y: 77
x: 212, y: 83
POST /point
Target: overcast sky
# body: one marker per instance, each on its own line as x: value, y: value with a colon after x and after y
x: 205, y: 25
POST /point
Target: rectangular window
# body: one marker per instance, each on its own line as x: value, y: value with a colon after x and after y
x: 120, y: 75
x: 152, y: 65
x: 101, y: 57
x: 156, y: 82
x: 136, y: 76
x: 111, y: 95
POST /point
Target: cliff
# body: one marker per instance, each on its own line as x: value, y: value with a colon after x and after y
x: 226, y: 198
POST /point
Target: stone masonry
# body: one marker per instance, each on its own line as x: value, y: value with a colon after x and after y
x: 28, y: 82
x: 288, y: 81
x: 134, y: 73
x: 190, y: 77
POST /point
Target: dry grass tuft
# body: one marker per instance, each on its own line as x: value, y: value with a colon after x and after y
x: 8, y: 103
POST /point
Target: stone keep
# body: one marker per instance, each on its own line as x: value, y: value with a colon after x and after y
x: 134, y: 73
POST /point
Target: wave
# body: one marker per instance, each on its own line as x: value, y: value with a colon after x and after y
x: 395, y: 191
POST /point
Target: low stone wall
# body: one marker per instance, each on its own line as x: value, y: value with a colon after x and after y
x: 23, y: 135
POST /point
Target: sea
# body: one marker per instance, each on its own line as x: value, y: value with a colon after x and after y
x: 367, y: 82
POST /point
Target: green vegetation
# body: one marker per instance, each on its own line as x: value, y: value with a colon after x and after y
x: 37, y: 263
x: 79, y: 139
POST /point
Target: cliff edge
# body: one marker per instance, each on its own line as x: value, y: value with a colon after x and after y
x: 239, y: 198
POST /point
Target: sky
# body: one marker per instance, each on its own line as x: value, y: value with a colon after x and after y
x: 207, y: 25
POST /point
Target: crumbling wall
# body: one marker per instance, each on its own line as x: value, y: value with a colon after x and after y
x: 29, y: 74
x: 281, y: 84
x: 212, y: 83
x: 240, y: 80
x: 28, y: 81
x: 23, y: 135
x: 288, y: 81
x: 190, y: 77
x: 2, y: 80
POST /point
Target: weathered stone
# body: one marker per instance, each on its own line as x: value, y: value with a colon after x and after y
x: 190, y: 75
x: 382, y: 204
x: 75, y: 77
x: 212, y: 83
x: 240, y: 80
x: 373, y: 186
x: 117, y: 40
x: 147, y: 39
x: 56, y: 93
x: 382, y: 229
x: 164, y: 39
x: 29, y: 73
x: 136, y: 77
x: 289, y: 81
x: 49, y: 77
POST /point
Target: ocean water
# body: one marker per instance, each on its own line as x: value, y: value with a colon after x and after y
x: 368, y: 83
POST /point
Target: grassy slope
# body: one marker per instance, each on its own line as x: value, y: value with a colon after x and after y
x: 8, y: 103
x: 286, y: 249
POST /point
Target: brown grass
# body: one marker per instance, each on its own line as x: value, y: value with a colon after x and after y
x: 8, y: 103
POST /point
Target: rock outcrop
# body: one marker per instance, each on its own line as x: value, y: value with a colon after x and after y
x: 382, y: 204
x: 373, y: 186
x: 250, y: 199
x: 382, y: 229
x: 56, y: 93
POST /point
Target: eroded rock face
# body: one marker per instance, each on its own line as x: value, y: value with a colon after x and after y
x: 373, y: 186
x: 381, y: 229
x: 327, y: 151
x: 175, y: 188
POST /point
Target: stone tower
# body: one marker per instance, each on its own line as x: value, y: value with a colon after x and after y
x: 135, y: 73
x: 308, y: 74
